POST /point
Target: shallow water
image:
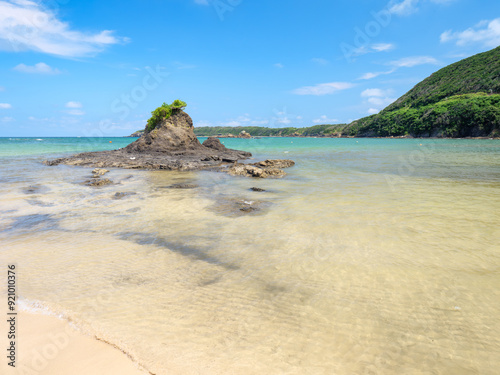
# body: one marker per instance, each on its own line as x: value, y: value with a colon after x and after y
x: 373, y: 256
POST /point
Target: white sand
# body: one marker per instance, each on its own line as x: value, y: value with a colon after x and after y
x: 47, y: 345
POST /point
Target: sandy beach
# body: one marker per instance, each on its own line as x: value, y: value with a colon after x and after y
x: 47, y: 345
x: 344, y: 267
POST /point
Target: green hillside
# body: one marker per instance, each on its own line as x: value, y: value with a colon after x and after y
x: 260, y: 131
x: 459, y: 100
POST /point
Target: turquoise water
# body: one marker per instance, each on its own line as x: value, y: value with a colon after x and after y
x: 12, y: 146
x: 372, y: 256
x: 453, y: 158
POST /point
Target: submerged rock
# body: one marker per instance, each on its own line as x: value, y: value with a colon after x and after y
x: 182, y: 186
x: 275, y: 163
x: 35, y: 189
x: 98, y: 182
x: 235, y: 207
x: 120, y: 195
x: 257, y: 189
x: 99, y: 171
x: 262, y: 169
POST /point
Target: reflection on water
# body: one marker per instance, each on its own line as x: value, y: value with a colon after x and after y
x: 356, y: 263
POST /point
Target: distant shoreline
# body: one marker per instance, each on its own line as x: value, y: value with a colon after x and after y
x: 336, y: 137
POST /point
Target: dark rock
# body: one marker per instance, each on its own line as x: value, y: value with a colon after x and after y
x: 275, y: 163
x: 172, y: 145
x: 213, y: 142
x: 98, y: 182
x: 257, y: 189
x: 244, y: 134
x: 35, y: 189
x: 248, y: 209
x: 137, y: 134
x: 261, y: 169
x: 175, y: 134
x: 120, y: 195
x: 37, y: 202
x: 182, y: 186
x: 135, y: 209
x: 99, y: 171
x: 235, y: 207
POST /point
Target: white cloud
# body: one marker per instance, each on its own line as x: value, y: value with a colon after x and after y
x: 372, y: 48
x: 203, y: 123
x: 374, y: 92
x: 28, y: 26
x: 370, y: 75
x: 5, y: 106
x: 239, y: 121
x: 323, y: 88
x: 259, y: 122
x: 406, y: 62
x: 409, y: 62
x: 377, y: 98
x: 74, y: 105
x: 320, y: 61
x: 380, y: 102
x: 407, y: 7
x: 373, y: 111
x: 74, y: 109
x: 324, y: 120
x: 7, y: 119
x: 279, y: 65
x: 40, y: 68
x: 179, y: 65
x: 486, y: 33
x: 381, y: 47
x: 283, y: 120
x: 75, y: 112
x: 404, y: 7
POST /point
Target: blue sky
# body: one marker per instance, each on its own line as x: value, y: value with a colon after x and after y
x: 98, y: 68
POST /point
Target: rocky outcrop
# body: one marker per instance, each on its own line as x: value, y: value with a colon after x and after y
x: 98, y: 182
x: 99, y: 171
x: 214, y: 143
x: 262, y: 169
x: 244, y: 134
x: 171, y: 145
x: 137, y: 134
x: 175, y: 134
x: 275, y: 163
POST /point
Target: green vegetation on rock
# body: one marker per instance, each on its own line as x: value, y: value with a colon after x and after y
x: 163, y: 112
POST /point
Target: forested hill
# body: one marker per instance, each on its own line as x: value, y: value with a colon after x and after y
x: 462, y: 99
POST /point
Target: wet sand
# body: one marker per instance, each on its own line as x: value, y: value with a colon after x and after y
x: 47, y: 345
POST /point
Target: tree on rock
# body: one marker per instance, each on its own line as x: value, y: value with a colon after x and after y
x: 164, y: 112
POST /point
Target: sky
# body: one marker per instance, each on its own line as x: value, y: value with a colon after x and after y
x: 98, y: 68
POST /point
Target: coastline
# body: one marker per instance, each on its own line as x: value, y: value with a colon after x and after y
x: 48, y: 345
x: 319, y: 136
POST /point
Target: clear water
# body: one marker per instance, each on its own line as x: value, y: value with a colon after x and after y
x: 373, y: 256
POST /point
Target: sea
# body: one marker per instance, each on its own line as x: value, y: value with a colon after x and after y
x: 372, y: 256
